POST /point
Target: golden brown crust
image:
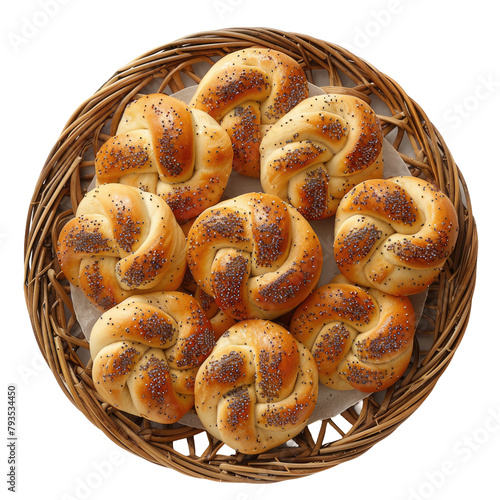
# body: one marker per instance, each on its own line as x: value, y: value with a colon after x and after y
x: 255, y: 254
x: 258, y: 388
x: 319, y: 150
x: 164, y: 147
x: 220, y: 322
x: 394, y: 234
x: 247, y: 89
x: 146, y: 352
x: 360, y: 339
x: 242, y: 123
x: 122, y: 241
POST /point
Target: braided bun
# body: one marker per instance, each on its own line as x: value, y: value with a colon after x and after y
x: 122, y: 241
x: 248, y: 89
x: 394, y: 234
x: 360, y: 339
x: 258, y: 388
x: 255, y: 254
x: 164, y: 147
x: 146, y: 352
x: 319, y: 150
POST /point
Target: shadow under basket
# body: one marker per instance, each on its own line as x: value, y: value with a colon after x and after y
x: 68, y: 172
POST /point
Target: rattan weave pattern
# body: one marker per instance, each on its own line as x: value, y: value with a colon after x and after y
x: 62, y: 183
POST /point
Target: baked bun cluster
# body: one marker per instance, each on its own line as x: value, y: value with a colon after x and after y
x: 209, y: 301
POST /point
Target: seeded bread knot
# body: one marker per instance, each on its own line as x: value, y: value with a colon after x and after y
x: 255, y: 255
x: 320, y: 150
x: 360, y: 338
x: 122, y: 241
x: 164, y: 147
x: 394, y: 234
x: 146, y: 352
x: 258, y: 388
x: 247, y: 91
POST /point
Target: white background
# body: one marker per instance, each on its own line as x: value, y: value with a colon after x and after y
x: 444, y: 54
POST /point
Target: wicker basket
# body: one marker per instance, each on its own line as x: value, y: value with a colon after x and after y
x: 66, y: 175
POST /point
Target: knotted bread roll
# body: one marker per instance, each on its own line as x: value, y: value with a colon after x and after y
x: 394, y: 234
x: 255, y: 254
x: 146, y: 352
x: 360, y: 338
x: 319, y: 150
x: 165, y: 147
x: 258, y: 388
x: 122, y: 241
x: 247, y: 91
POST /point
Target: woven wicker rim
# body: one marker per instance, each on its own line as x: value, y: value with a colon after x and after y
x: 61, y: 186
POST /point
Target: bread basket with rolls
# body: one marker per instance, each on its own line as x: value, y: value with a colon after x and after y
x: 219, y: 257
